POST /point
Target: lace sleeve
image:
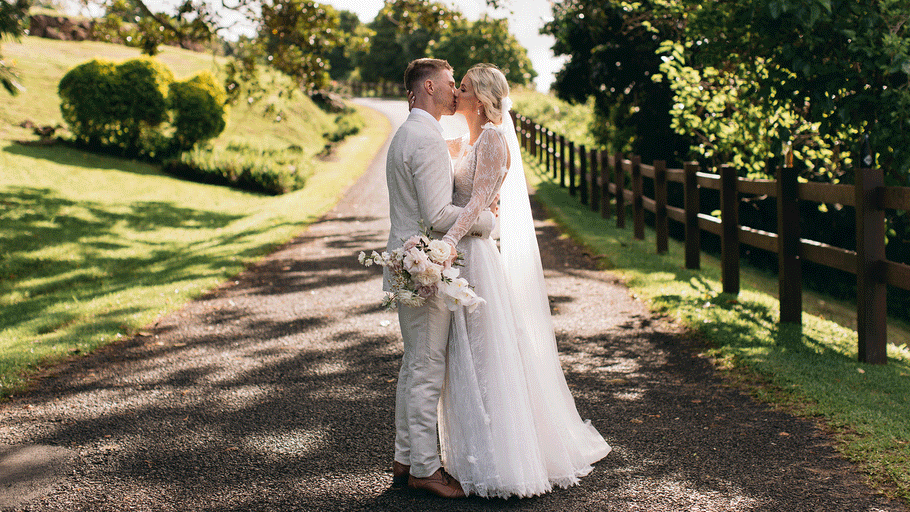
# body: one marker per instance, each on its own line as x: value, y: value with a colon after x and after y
x: 492, y: 154
x: 456, y: 146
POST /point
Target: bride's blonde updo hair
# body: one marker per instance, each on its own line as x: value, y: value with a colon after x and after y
x: 490, y: 87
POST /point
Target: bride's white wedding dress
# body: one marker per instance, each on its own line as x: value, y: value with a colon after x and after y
x: 507, y: 422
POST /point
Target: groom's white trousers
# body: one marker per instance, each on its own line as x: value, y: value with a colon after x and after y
x: 425, y: 332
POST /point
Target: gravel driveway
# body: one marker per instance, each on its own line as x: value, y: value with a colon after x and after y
x: 275, y: 392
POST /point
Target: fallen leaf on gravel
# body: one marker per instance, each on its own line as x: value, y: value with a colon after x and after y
x: 784, y: 434
x: 636, y: 420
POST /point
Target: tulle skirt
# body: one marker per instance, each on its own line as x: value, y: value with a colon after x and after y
x: 507, y: 422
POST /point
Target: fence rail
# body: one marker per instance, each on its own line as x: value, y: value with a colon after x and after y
x: 599, y: 181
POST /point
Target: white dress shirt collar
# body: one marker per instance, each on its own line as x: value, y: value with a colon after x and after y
x: 424, y: 113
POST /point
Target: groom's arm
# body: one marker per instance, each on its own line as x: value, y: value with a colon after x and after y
x: 431, y: 168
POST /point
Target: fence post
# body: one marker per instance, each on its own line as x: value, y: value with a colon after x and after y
x: 693, y: 207
x: 620, y: 178
x: 562, y: 161
x: 583, y: 173
x: 553, y: 162
x: 660, y: 206
x: 542, y: 144
x: 595, y: 179
x: 605, y: 185
x: 729, y: 216
x: 571, y: 157
x: 638, y: 209
x: 522, y: 131
x: 871, y: 319
x: 547, y: 151
x: 529, y: 126
x: 789, y: 266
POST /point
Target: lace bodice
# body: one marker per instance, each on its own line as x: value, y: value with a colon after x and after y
x: 479, y: 171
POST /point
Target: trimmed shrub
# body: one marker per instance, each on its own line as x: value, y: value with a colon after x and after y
x: 346, y: 124
x: 267, y: 171
x: 85, y: 93
x: 136, y: 109
x: 121, y: 106
x: 198, y: 106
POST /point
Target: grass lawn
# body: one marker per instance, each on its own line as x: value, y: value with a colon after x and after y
x: 812, y: 371
x: 93, y: 248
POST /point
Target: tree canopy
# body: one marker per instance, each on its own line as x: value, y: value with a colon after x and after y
x: 312, y: 42
x: 485, y: 40
x: 746, y: 76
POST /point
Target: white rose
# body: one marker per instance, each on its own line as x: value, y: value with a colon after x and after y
x: 439, y: 251
x: 429, y: 275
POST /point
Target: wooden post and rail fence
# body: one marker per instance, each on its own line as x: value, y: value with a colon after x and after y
x: 596, y: 177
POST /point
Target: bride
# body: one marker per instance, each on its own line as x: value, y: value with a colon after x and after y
x: 508, y: 424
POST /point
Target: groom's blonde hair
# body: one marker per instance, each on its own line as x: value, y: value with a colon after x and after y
x: 490, y: 87
x: 421, y: 69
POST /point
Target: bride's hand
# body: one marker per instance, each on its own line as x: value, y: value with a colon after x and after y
x: 411, y: 99
x: 453, y: 255
x: 494, y: 206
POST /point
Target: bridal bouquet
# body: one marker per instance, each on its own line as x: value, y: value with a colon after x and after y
x: 418, y: 272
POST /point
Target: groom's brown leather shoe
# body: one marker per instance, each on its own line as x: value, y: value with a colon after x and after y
x: 400, y: 474
x: 439, y: 483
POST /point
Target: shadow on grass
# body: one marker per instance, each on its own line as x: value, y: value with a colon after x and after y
x: 63, y: 154
x: 33, y: 221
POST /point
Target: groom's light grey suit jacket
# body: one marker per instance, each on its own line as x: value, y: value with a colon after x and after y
x: 420, y: 181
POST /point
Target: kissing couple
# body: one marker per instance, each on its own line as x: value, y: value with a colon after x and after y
x: 488, y: 380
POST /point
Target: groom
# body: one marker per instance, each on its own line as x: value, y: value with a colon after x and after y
x: 419, y: 177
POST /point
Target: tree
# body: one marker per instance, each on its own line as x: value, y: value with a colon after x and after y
x: 485, y: 40
x: 293, y: 35
x: 612, y: 57
x: 403, y: 30
x: 354, y: 38
x: 844, y: 65
x: 12, y: 14
x: 837, y: 67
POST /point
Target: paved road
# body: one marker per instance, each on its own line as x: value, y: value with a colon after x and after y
x: 275, y: 392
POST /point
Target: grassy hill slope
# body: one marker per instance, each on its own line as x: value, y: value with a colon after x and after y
x: 93, y: 248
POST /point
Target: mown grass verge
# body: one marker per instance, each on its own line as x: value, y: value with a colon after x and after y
x: 93, y: 248
x: 811, y: 370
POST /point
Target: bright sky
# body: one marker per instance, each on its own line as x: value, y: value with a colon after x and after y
x: 524, y: 24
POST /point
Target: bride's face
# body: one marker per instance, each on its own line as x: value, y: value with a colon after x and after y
x: 466, y: 98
